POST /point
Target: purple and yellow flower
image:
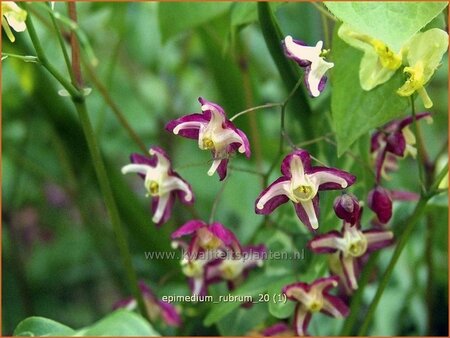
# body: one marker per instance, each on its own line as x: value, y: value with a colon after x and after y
x: 312, y: 59
x: 300, y: 183
x: 394, y: 138
x: 214, y: 132
x: 351, y: 243
x: 13, y: 16
x: 161, y: 182
x: 312, y: 298
x: 156, y: 308
x: 280, y: 329
x: 235, y: 269
x: 207, y: 237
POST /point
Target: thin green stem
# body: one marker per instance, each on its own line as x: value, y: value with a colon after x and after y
x: 245, y: 170
x: 25, y: 58
x: 62, y: 45
x: 434, y: 189
x: 267, y: 105
x: 323, y: 11
x: 422, y: 161
x: 110, y: 203
x: 74, y: 93
x: 403, y: 240
x: 217, y: 200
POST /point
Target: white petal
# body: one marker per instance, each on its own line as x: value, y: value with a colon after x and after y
x: 311, y: 213
x: 303, y: 52
x: 349, y: 268
x: 214, y: 167
x: 136, y: 168
x: 159, y: 212
x: 317, y: 71
x: 275, y: 190
x: 378, y: 237
x: 322, y: 177
x: 187, y: 125
x: 175, y: 183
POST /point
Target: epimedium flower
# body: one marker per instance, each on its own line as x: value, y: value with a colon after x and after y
x: 13, y: 16
x: 207, y: 237
x: 161, y: 182
x: 312, y: 59
x: 424, y: 54
x: 347, y: 208
x: 214, y: 132
x: 156, y: 308
x: 300, y: 183
x: 351, y: 243
x: 379, y: 62
x: 312, y: 298
x: 394, y: 138
x: 235, y: 269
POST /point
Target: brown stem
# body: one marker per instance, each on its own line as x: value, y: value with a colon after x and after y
x: 76, y: 64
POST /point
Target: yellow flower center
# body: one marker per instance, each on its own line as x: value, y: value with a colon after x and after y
x: 208, y: 240
x: 230, y: 269
x: 316, y: 305
x: 192, y: 269
x: 357, y: 248
x: 304, y: 192
x: 388, y: 58
x: 153, y: 188
x: 208, y: 143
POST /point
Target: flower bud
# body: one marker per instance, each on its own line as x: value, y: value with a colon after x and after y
x: 379, y: 200
x: 347, y: 208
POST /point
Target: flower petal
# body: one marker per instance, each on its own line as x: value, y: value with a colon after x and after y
x: 162, y: 208
x: 380, y: 202
x: 188, y: 228
x: 272, y: 196
x: 334, y: 306
x: 308, y: 212
x: 377, y: 239
x: 169, y: 314
x: 315, y: 76
x: 176, y: 183
x: 225, y: 235
x: 300, y: 168
x: 322, y: 285
x: 326, y: 243
x: 331, y: 178
x: 348, y: 264
x: 301, y: 320
x: 187, y: 126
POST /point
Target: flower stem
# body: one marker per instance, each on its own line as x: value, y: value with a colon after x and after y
x: 217, y: 199
x: 323, y: 11
x: 410, y: 224
x: 267, y: 105
x: 422, y: 161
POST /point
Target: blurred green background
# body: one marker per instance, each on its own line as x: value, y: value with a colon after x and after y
x: 59, y: 254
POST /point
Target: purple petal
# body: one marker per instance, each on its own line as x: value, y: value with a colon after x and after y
x: 274, y: 202
x: 222, y: 169
x: 348, y: 265
x: 224, y: 234
x: 321, y: 85
x: 398, y: 195
x: 146, y: 291
x: 396, y: 143
x: 301, y: 320
x: 349, y: 178
x: 140, y: 159
x: 207, y: 113
x: 409, y: 119
x: 300, y: 62
x: 379, y: 161
x: 187, y: 132
x: 303, y: 216
x: 375, y: 141
x: 324, y: 243
x: 291, y: 288
x: 337, y: 304
x: 304, y: 157
x: 188, y: 228
x: 276, y: 329
x: 378, y: 239
x: 167, y: 210
x: 123, y: 303
x: 380, y: 202
x: 181, y: 193
x: 169, y: 314
x: 325, y: 283
x: 347, y: 208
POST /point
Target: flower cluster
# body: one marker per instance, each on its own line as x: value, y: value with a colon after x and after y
x: 421, y: 56
x: 394, y: 140
x: 212, y: 253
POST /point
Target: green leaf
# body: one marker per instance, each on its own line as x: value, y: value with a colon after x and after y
x: 120, y: 323
x: 355, y: 111
x: 40, y: 326
x: 177, y: 17
x: 391, y: 22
